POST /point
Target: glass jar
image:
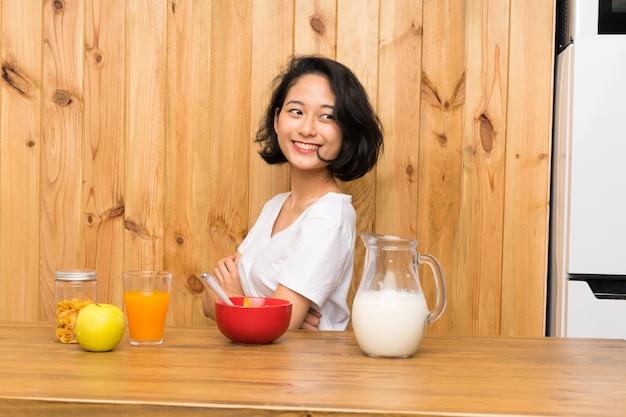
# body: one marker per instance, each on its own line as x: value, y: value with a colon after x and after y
x: 72, y: 291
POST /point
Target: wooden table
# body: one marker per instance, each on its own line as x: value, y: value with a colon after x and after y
x: 198, y: 372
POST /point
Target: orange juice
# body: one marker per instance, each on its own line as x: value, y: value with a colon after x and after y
x: 146, y: 311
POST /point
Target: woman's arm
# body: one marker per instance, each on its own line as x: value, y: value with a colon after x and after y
x: 227, y: 275
x: 300, y: 306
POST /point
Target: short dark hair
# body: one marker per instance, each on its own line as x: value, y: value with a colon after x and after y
x: 361, y: 128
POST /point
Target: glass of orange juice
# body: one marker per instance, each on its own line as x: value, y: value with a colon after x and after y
x: 146, y: 299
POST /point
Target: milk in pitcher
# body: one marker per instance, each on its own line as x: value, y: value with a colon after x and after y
x: 389, y: 322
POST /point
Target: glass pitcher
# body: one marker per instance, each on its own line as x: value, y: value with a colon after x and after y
x: 389, y: 312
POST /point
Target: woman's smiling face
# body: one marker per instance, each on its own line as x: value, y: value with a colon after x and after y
x: 306, y: 125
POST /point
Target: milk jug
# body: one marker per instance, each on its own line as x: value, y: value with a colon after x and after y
x: 389, y: 312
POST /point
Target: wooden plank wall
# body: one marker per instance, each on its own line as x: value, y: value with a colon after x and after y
x: 126, y: 133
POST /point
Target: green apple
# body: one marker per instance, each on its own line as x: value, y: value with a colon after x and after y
x: 100, y: 327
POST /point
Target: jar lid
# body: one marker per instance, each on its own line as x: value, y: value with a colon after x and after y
x: 76, y: 275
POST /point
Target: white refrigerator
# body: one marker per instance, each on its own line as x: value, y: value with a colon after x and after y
x: 587, y: 280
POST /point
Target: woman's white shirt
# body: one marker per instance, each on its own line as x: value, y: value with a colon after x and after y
x: 314, y: 256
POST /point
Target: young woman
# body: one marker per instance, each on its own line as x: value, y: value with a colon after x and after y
x: 301, y: 248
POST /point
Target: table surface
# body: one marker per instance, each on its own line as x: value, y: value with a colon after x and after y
x: 199, y: 372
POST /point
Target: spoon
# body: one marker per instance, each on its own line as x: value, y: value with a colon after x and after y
x: 210, y: 280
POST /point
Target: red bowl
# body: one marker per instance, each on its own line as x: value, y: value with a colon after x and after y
x: 264, y: 321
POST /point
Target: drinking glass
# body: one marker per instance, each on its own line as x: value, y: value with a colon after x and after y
x: 146, y: 299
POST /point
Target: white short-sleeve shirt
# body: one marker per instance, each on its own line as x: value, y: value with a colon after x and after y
x: 314, y: 256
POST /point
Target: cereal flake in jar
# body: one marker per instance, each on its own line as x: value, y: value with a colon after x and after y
x: 73, y: 290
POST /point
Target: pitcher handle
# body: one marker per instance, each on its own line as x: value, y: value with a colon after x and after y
x: 440, y: 285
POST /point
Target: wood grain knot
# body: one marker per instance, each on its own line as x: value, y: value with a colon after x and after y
x: 62, y: 98
x: 136, y: 229
x: 429, y: 92
x: 19, y: 83
x: 431, y: 96
x: 195, y: 285
x: 318, y: 25
x: 417, y: 29
x: 114, y: 212
x: 180, y: 241
x: 220, y: 226
x: 486, y: 133
x: 409, y: 170
x: 458, y: 97
x: 58, y: 6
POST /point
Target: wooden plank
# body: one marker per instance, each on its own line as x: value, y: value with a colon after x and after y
x: 357, y: 30
x: 529, y: 122
x: 479, y: 242
x: 440, y: 162
x: 228, y: 136
x: 315, y: 27
x: 400, y: 61
x: 62, y: 244
x: 272, y: 31
x: 145, y: 182
x: 103, y: 186
x: 20, y: 158
x: 188, y: 196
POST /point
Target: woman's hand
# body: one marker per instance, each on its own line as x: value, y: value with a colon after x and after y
x: 227, y: 275
x: 311, y: 320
